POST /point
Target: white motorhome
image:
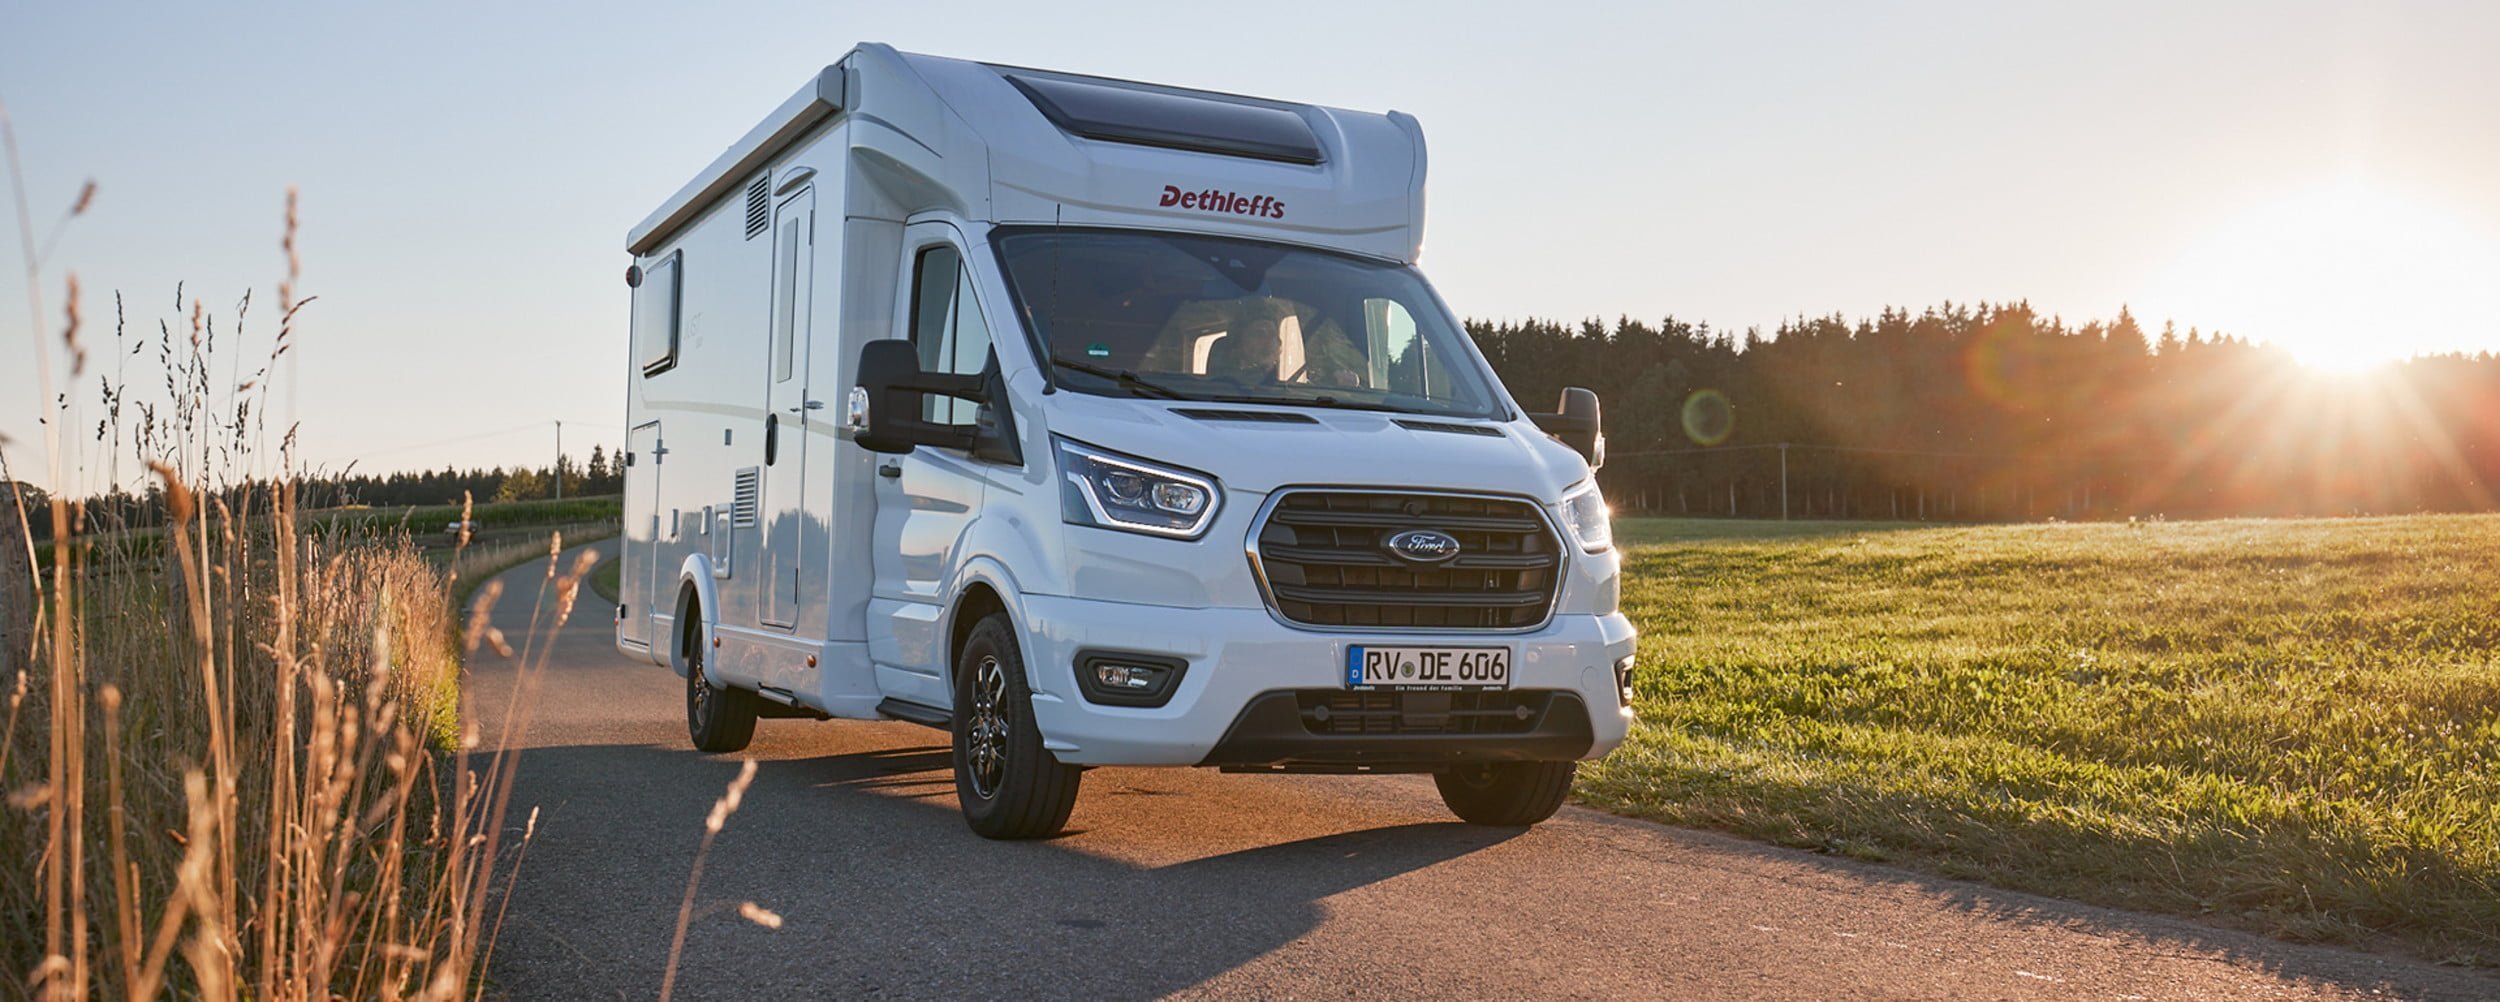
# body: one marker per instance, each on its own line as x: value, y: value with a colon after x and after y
x: 1102, y: 423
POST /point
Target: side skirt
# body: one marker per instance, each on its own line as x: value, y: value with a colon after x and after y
x: 925, y: 716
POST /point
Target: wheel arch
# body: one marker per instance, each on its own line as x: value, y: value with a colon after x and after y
x: 696, y: 609
x: 986, y: 590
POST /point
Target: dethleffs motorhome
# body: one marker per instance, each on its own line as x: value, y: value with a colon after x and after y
x: 1102, y: 423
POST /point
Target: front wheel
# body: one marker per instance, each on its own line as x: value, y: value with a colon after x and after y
x: 1009, y: 785
x: 1506, y: 794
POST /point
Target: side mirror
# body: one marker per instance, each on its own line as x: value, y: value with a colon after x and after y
x: 885, y: 404
x: 1575, y: 423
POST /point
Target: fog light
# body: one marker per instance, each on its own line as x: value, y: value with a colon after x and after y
x: 1120, y: 679
x: 1119, y: 676
x: 1623, y: 681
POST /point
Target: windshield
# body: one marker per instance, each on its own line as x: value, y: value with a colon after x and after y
x: 1210, y: 318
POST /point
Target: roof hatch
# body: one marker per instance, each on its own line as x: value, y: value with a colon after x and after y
x: 1182, y: 120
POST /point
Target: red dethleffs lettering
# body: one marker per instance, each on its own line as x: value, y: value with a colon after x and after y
x: 1234, y: 202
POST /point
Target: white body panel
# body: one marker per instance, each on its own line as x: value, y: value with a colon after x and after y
x: 832, y: 577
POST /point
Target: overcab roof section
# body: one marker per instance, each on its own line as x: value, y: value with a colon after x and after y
x: 1121, y: 112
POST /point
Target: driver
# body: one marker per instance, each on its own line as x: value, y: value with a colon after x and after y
x: 1267, y: 341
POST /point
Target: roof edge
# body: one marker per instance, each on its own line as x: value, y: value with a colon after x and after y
x: 821, y: 98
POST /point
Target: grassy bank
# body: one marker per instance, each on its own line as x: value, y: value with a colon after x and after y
x: 605, y: 579
x: 2283, y: 725
x: 492, y: 516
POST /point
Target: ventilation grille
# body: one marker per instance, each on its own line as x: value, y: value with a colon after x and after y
x: 1322, y: 560
x: 1264, y: 417
x: 742, y: 501
x: 1487, y: 431
x: 759, y: 206
x: 1343, y: 711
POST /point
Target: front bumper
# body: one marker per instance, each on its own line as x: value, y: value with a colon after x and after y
x: 1239, y: 660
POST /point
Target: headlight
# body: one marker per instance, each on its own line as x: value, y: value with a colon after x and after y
x: 1585, y: 513
x: 1111, y: 491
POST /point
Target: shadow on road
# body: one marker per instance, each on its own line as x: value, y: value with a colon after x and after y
x: 883, y: 890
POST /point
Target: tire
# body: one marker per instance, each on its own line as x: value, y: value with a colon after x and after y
x: 1010, y: 787
x: 1506, y: 794
x: 719, y: 719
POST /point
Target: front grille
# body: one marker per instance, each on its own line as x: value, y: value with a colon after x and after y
x: 1325, y: 563
x: 1344, y: 711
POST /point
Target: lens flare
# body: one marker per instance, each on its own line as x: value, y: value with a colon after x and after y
x: 1708, y: 417
x: 2010, y: 365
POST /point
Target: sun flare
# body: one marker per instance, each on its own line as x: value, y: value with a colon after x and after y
x: 2345, y: 276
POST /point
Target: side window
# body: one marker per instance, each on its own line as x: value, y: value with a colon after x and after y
x: 655, y: 316
x: 948, y: 329
x: 786, y: 297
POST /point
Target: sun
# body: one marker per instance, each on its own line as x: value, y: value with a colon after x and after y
x: 2346, y: 276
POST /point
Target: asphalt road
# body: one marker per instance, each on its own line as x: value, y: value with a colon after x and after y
x: 1191, y: 883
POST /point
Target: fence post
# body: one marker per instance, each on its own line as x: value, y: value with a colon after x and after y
x: 1783, y: 481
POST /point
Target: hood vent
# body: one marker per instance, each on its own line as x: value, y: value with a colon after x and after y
x: 1255, y: 417
x: 1487, y: 431
x: 759, y: 205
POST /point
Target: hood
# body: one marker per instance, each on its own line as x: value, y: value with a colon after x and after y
x: 1259, y: 448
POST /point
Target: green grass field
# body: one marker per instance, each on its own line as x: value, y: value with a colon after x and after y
x: 2291, y: 726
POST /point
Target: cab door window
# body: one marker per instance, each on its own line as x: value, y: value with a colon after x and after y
x: 947, y: 329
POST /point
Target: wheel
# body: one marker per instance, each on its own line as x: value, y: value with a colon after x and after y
x: 1506, y: 794
x: 718, y: 719
x: 1009, y: 785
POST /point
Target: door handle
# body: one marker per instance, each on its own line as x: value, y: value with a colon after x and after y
x: 890, y: 471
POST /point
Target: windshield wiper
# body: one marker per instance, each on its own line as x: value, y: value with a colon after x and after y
x: 1129, y: 381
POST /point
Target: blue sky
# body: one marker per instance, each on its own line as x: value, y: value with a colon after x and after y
x: 468, y: 171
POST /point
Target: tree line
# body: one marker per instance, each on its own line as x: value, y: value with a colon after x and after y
x: 600, y: 474
x: 1996, y: 412
x: 1954, y: 413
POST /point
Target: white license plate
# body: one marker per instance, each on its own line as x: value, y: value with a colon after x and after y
x: 1373, y: 667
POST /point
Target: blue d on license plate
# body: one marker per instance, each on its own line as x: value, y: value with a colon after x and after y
x: 1372, y: 667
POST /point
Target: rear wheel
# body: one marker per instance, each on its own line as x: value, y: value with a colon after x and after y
x: 1506, y: 794
x: 719, y: 719
x: 1009, y: 785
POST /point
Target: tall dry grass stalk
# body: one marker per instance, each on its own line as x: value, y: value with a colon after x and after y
x: 240, y: 769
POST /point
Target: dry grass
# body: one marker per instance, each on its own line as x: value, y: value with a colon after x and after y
x: 262, y: 739
x: 234, y: 762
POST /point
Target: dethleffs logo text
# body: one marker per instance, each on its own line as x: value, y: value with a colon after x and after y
x: 1233, y: 202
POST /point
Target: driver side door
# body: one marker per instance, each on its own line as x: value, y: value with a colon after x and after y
x: 927, y: 498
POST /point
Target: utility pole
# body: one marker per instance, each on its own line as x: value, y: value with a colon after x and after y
x: 559, y: 470
x: 1783, y: 481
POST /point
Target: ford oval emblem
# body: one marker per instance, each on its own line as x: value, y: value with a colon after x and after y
x: 1423, y: 546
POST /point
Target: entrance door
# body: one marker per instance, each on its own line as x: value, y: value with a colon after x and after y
x: 641, y: 579
x: 787, y: 411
